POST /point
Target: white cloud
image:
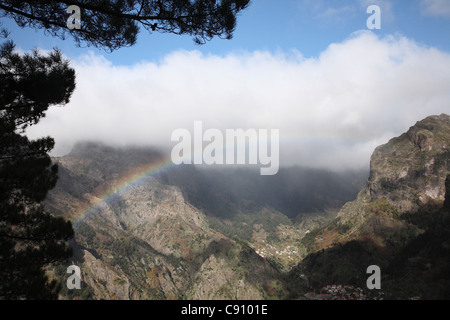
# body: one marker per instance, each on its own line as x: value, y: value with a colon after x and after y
x: 332, y: 110
x: 437, y: 7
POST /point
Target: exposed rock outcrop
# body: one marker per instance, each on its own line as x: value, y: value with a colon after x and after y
x: 410, y: 170
x: 407, y: 174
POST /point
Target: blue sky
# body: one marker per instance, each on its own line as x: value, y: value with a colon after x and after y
x: 310, y: 68
x: 308, y: 26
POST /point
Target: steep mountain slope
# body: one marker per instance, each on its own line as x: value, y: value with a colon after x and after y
x: 145, y: 241
x: 186, y: 233
x: 422, y: 267
x: 271, y: 213
x: 397, y: 211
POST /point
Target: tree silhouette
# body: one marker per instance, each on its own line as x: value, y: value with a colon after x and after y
x: 30, y: 238
x: 115, y: 24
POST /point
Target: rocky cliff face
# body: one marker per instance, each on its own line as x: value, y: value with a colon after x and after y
x: 407, y: 176
x: 400, y: 221
x: 410, y: 170
x: 146, y: 241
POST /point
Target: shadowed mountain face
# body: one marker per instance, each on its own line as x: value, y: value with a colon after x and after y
x: 399, y: 221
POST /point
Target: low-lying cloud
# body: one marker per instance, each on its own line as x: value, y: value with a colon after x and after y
x: 332, y: 110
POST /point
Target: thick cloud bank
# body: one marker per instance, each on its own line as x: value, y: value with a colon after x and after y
x: 331, y: 110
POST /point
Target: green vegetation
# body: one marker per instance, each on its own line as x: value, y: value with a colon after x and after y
x: 382, y: 207
x: 242, y: 225
x: 309, y: 240
x: 85, y: 233
x: 30, y: 237
x: 341, y: 264
x: 425, y: 261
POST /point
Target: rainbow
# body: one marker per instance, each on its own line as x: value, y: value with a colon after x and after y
x: 140, y: 174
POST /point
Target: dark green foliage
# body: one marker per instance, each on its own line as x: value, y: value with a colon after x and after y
x: 309, y: 240
x: 242, y: 224
x: 342, y: 264
x: 115, y: 24
x: 342, y: 229
x: 85, y: 232
x: 41, y: 239
x: 422, y: 219
x: 30, y: 238
x: 447, y: 194
x: 422, y: 267
x: 30, y: 83
x: 123, y: 248
x: 412, y: 264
